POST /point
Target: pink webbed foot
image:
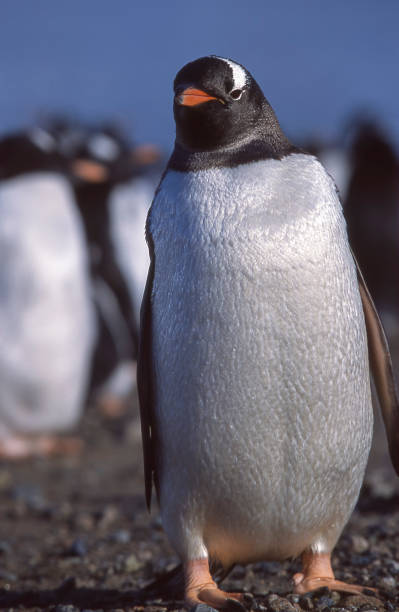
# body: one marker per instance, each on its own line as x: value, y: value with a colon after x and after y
x: 200, y: 589
x: 317, y: 573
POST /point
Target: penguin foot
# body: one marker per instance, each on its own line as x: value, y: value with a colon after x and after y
x: 304, y: 585
x: 200, y: 589
x: 112, y: 407
x: 215, y: 598
x: 317, y: 573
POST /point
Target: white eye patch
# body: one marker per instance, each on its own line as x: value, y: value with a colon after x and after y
x: 239, y: 74
x: 42, y: 139
x: 103, y: 147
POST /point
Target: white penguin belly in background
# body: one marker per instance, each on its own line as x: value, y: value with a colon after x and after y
x: 263, y: 407
x: 129, y: 206
x: 46, y: 318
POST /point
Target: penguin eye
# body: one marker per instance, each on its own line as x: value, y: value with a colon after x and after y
x: 236, y: 94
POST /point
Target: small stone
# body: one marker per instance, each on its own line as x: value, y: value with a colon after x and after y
x: 132, y: 564
x: 280, y: 604
x: 272, y: 597
x: 7, y: 576
x: 108, y: 516
x: 388, y: 582
x: 78, y: 548
x: 394, y: 566
x: 202, y: 608
x: 5, y: 547
x: 362, y: 560
x: 84, y: 521
x: 121, y: 536
x: 30, y: 495
x: 156, y: 522
x: 62, y: 608
x: 325, y: 601
x: 359, y: 544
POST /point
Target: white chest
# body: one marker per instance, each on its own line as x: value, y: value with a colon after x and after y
x: 259, y: 344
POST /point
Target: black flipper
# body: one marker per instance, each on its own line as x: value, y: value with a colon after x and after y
x: 381, y: 368
x: 145, y: 376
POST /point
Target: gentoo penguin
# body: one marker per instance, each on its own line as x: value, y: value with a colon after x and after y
x: 114, y: 186
x: 114, y: 209
x: 371, y: 209
x: 253, y: 368
x: 46, y: 316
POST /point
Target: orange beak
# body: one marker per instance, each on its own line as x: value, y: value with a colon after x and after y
x: 193, y: 97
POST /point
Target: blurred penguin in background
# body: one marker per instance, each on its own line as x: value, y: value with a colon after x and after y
x: 334, y: 157
x: 46, y: 313
x: 371, y: 209
x: 114, y: 185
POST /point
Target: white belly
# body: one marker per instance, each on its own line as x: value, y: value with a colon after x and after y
x: 46, y: 318
x: 263, y: 399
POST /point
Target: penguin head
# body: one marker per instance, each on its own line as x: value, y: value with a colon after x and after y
x: 217, y: 104
x: 29, y: 151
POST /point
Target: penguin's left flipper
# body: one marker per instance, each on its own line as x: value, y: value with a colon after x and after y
x: 381, y: 368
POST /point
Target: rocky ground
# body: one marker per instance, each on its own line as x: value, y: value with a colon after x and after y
x: 75, y: 535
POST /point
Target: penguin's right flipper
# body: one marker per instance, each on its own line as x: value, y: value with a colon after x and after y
x: 145, y: 375
x: 381, y: 368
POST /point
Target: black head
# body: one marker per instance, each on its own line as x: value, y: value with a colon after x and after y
x: 219, y: 107
x: 29, y: 151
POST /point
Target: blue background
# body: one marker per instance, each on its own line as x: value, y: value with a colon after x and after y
x: 317, y: 62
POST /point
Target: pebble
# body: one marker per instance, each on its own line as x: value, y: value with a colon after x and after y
x: 362, y: 560
x: 7, y: 576
x: 62, y: 608
x: 388, y: 582
x: 108, y: 516
x: 84, y: 521
x: 156, y: 522
x: 5, y: 547
x: 279, y: 604
x: 78, y: 548
x: 325, y: 601
x: 132, y: 563
x: 359, y: 544
x: 121, y: 536
x: 394, y: 565
x: 30, y: 495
